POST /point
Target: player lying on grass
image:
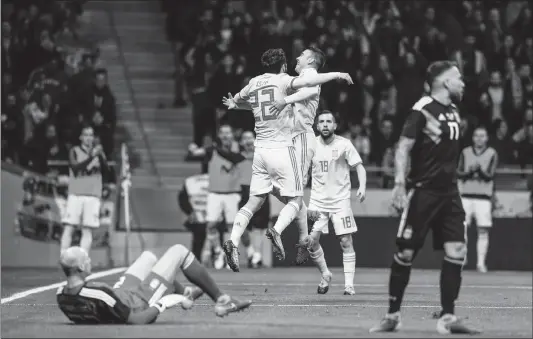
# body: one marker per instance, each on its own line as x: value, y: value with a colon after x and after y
x: 330, y: 199
x: 147, y: 288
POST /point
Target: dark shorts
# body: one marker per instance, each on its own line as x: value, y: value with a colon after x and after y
x: 137, y: 294
x: 261, y: 218
x: 426, y: 210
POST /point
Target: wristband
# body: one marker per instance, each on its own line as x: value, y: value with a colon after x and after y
x: 160, y: 307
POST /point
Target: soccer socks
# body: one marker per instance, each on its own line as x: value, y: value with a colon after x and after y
x: 482, y: 247
x: 400, y: 272
x: 450, y: 283
x: 198, y: 275
x: 319, y: 259
x: 348, y: 261
x: 301, y: 220
x: 286, y: 216
x: 239, y: 225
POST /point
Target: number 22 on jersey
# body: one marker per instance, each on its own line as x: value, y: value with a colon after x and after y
x: 264, y: 98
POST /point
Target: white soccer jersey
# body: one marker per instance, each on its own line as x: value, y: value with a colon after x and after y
x: 305, y: 111
x: 331, y: 164
x: 272, y: 130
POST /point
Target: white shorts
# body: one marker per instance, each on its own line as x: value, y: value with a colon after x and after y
x: 82, y: 210
x: 305, y: 145
x: 342, y: 219
x: 276, y: 168
x: 478, y: 209
x: 222, y: 205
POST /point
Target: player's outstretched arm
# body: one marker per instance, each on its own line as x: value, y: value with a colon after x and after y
x: 301, y: 95
x: 236, y: 102
x: 319, y: 79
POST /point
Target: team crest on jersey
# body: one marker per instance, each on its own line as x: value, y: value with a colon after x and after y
x: 335, y: 153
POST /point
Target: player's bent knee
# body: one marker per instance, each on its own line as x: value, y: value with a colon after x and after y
x: 255, y: 202
x: 182, y: 254
x: 405, y: 257
x: 346, y: 241
x: 455, y: 250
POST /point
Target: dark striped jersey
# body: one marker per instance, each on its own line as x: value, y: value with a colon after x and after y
x: 435, y: 153
x: 92, y: 303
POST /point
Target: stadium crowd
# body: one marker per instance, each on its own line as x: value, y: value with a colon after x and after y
x: 51, y: 85
x: 384, y: 45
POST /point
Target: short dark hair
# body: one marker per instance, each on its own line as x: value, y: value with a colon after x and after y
x: 273, y: 59
x: 85, y: 126
x: 437, y: 68
x: 326, y: 112
x: 320, y: 57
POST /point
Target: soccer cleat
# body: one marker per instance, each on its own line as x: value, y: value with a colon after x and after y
x: 275, y: 238
x: 349, y: 290
x: 302, y: 251
x: 450, y: 324
x: 482, y: 269
x: 232, y: 255
x: 226, y: 305
x: 323, y: 287
x: 390, y: 323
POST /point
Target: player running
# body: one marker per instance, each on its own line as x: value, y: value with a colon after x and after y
x: 430, y: 143
x: 275, y: 168
x: 477, y: 165
x: 147, y: 288
x: 331, y: 198
x: 305, y: 104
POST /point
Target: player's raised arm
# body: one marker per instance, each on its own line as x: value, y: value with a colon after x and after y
x: 319, y: 79
x: 303, y: 94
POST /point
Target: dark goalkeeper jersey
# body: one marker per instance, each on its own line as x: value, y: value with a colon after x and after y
x: 434, y: 156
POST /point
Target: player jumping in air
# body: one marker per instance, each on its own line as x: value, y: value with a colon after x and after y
x: 305, y: 104
x: 429, y: 197
x: 275, y: 168
x: 147, y: 288
x: 330, y: 198
x: 477, y: 165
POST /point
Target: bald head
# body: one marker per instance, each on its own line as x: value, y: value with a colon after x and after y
x: 75, y: 259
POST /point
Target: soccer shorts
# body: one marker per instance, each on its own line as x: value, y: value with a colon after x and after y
x: 139, y: 295
x: 82, y: 210
x: 427, y: 209
x: 478, y: 209
x: 222, y: 205
x: 276, y: 168
x: 341, y: 218
x: 305, y: 145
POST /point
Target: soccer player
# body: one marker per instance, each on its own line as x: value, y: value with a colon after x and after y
x: 275, y: 168
x: 87, y: 161
x: 477, y: 165
x: 330, y: 198
x: 305, y: 104
x: 146, y: 289
x: 430, y: 142
x: 260, y: 220
x: 224, y: 188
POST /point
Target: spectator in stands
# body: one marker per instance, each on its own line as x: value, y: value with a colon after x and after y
x: 100, y: 99
x: 502, y: 143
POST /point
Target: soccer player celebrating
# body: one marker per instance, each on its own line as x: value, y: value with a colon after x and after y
x: 147, y: 288
x: 477, y: 165
x: 275, y: 168
x: 305, y: 104
x: 430, y: 142
x: 330, y: 198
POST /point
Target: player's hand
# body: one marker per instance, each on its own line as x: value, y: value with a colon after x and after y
x: 229, y: 102
x: 346, y: 77
x: 361, y: 194
x: 278, y: 106
x: 97, y: 150
x: 172, y: 300
x: 399, y: 197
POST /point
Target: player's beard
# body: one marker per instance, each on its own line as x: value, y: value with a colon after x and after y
x: 456, y: 96
x: 326, y: 134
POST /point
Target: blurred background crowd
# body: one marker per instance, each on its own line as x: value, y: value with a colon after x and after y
x: 384, y: 45
x: 51, y: 84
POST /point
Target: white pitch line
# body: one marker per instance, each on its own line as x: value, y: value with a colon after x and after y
x: 347, y: 305
x: 29, y: 292
x: 508, y: 287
